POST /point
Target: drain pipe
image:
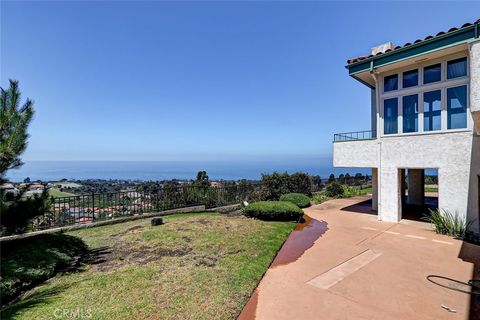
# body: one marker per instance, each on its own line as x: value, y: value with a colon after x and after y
x: 373, y: 74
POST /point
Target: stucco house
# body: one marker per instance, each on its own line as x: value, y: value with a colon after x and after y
x: 9, y: 188
x: 425, y: 114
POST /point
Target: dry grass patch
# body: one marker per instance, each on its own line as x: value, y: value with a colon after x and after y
x: 195, y: 266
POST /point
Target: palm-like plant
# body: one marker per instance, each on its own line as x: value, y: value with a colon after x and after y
x: 448, y: 223
x: 14, y: 121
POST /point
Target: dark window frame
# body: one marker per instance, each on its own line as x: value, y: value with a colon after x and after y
x: 410, y: 117
x: 452, y: 111
x: 432, y: 66
x: 394, y: 130
x: 413, y: 71
x: 449, y: 62
x: 428, y: 116
x: 392, y: 76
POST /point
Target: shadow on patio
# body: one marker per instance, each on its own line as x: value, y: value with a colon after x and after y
x: 361, y: 207
x: 471, y: 253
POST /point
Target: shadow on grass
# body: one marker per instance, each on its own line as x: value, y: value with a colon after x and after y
x: 26, y: 263
x: 97, y: 255
x: 37, y: 297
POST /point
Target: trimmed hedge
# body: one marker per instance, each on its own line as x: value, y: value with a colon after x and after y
x: 273, y: 211
x: 299, y: 199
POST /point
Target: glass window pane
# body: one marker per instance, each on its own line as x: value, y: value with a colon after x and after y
x: 432, y: 110
x: 432, y: 73
x: 410, y: 78
x: 390, y: 113
x: 410, y: 113
x: 457, y: 68
x: 390, y: 83
x: 457, y: 107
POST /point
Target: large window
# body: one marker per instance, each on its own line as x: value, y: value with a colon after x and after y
x: 432, y: 110
x: 410, y: 113
x: 426, y: 97
x: 457, y: 107
x: 410, y: 79
x: 457, y: 68
x: 390, y: 83
x: 390, y: 111
x: 432, y: 73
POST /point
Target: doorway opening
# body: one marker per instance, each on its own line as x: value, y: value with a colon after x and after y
x: 418, y: 192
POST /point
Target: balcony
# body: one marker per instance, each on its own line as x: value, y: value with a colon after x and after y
x: 354, y: 136
x: 356, y: 150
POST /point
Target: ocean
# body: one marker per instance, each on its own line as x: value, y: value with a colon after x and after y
x: 162, y: 170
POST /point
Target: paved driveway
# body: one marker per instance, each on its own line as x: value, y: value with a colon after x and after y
x: 362, y: 268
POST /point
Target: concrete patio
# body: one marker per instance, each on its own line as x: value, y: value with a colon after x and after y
x: 362, y: 268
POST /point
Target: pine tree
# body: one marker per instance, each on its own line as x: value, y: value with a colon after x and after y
x: 14, y: 121
x: 16, y: 210
x: 331, y: 178
x: 202, y: 180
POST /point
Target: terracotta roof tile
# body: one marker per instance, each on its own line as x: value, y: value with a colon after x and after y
x: 353, y: 60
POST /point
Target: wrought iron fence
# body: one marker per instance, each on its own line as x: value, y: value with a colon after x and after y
x: 92, y: 207
x: 358, y: 135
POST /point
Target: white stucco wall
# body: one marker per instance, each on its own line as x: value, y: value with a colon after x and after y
x: 456, y: 155
x: 475, y: 83
x: 475, y: 75
x: 450, y: 152
x: 356, y: 154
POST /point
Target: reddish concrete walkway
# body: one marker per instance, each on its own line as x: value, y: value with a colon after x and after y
x: 361, y: 268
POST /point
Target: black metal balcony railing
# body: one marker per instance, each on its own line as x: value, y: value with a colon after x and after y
x: 353, y: 136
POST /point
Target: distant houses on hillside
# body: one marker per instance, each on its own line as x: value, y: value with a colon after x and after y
x: 35, y: 188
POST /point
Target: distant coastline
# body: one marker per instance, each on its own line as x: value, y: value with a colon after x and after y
x: 165, y: 170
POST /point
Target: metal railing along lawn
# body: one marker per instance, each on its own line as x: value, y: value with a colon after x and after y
x: 353, y: 136
x: 92, y: 207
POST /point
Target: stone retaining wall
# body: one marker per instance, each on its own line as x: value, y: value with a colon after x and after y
x: 226, y: 209
x: 104, y: 222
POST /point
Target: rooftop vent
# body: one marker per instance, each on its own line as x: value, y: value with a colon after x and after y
x: 382, y: 48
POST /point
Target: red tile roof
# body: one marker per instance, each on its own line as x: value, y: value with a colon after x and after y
x: 357, y: 59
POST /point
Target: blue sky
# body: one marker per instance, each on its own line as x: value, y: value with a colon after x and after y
x: 200, y: 80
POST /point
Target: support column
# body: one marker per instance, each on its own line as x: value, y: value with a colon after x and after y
x: 402, y: 187
x: 390, y: 203
x: 375, y: 189
x: 416, y: 186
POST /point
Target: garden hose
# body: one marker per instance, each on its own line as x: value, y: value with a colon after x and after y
x: 474, y: 284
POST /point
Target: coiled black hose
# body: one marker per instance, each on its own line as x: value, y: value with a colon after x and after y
x: 474, y: 284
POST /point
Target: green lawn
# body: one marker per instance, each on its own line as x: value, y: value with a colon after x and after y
x: 57, y: 193
x: 196, y: 266
x: 366, y: 191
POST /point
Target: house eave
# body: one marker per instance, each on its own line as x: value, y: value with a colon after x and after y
x: 437, y: 43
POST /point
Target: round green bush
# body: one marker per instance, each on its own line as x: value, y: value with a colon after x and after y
x: 334, y: 190
x: 299, y: 199
x: 273, y: 211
